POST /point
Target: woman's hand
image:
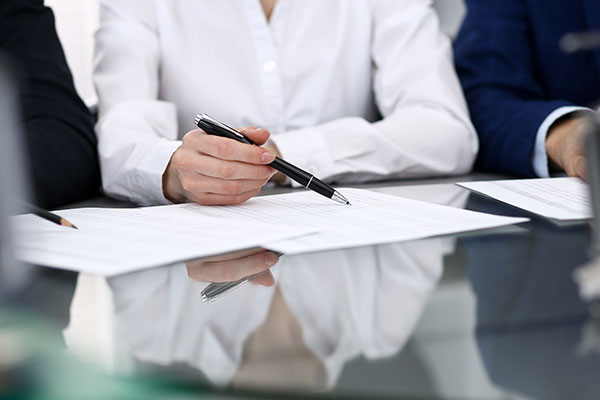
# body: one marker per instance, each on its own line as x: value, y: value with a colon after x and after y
x: 212, y: 170
x: 232, y: 267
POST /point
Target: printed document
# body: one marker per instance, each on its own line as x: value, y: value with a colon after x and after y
x: 373, y: 218
x: 564, y: 199
x: 116, y: 241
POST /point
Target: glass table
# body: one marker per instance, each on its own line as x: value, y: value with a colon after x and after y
x: 492, y: 314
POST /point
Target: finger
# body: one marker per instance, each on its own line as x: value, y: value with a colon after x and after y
x: 233, y: 270
x: 257, y: 135
x: 229, y: 149
x: 217, y: 168
x: 214, y: 199
x: 200, y: 184
x: 195, y: 265
x: 264, y: 279
x: 193, y: 132
x: 227, y: 257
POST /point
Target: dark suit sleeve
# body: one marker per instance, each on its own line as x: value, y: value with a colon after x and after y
x: 59, y: 129
x: 495, y: 61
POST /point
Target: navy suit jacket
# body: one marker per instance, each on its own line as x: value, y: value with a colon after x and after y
x: 514, y: 73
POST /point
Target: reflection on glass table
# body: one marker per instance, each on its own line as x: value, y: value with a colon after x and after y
x: 535, y: 334
x: 228, y: 272
x: 325, y: 309
x: 490, y: 315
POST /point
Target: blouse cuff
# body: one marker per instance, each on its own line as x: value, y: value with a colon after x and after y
x: 306, y: 149
x: 149, y: 177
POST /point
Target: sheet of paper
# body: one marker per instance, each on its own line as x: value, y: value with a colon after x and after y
x: 116, y: 241
x: 563, y: 199
x: 373, y: 218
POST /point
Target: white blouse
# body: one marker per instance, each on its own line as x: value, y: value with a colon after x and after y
x: 351, y: 90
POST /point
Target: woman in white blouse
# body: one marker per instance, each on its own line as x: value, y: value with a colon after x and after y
x: 351, y: 90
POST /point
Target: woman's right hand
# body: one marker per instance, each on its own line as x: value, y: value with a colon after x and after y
x: 211, y: 170
x: 253, y: 264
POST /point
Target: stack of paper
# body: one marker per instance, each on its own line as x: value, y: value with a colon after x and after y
x: 115, y: 241
x: 373, y: 218
x: 557, y: 198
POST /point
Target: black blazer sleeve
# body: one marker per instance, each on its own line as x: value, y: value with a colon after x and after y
x: 59, y: 129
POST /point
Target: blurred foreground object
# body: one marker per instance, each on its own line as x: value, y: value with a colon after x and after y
x: 12, y: 181
x: 584, y: 41
x: 588, y: 276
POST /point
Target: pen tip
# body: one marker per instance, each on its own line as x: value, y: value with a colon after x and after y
x: 337, y: 197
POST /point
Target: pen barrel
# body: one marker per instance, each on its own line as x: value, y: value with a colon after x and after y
x: 302, y: 177
x: 225, y: 132
x: 291, y: 171
x: 321, y: 187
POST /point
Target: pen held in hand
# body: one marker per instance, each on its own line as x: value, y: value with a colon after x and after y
x: 216, y: 290
x: 213, y: 127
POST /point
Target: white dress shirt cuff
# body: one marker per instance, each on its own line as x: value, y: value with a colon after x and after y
x: 540, y: 157
x: 306, y: 149
x: 149, y: 174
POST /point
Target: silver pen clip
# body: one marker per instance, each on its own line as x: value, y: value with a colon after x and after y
x: 211, y: 120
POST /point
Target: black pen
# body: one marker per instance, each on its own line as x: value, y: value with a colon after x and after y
x: 215, y: 290
x: 214, y: 127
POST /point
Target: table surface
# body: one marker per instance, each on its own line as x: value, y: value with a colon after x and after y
x: 491, y: 314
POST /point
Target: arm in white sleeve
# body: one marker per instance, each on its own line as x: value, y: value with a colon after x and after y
x: 425, y: 129
x: 540, y: 157
x: 136, y: 132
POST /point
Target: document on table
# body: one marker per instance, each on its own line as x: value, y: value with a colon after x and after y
x: 564, y: 199
x: 116, y: 241
x: 373, y: 218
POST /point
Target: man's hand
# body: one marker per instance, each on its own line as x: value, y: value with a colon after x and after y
x: 212, y: 170
x: 255, y: 264
x: 565, y: 146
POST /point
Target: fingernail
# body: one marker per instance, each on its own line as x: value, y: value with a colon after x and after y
x: 268, y: 157
x: 271, y: 259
